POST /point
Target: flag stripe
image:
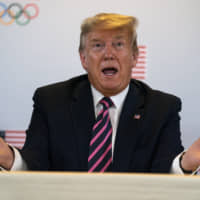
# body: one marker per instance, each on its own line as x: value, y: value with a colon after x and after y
x: 139, y: 67
x: 15, y: 138
x: 142, y: 52
x: 137, y: 72
x: 142, y: 47
x: 139, y: 77
x: 14, y: 131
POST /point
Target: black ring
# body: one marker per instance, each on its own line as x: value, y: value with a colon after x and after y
x: 18, y: 14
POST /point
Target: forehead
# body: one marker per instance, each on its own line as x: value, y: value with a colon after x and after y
x: 99, y: 34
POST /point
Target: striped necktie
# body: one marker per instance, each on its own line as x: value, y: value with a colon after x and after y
x: 100, y: 150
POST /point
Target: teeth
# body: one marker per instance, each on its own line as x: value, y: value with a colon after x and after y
x: 109, y: 71
x: 109, y: 74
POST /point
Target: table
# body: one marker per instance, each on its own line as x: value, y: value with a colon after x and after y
x: 85, y: 186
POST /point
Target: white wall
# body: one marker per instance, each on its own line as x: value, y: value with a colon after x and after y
x: 45, y: 51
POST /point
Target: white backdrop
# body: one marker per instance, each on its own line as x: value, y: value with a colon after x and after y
x: 46, y: 51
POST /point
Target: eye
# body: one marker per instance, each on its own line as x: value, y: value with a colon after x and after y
x: 97, y: 46
x: 119, y: 44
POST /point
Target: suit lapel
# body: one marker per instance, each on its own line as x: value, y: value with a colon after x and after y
x: 83, y: 117
x: 128, y: 129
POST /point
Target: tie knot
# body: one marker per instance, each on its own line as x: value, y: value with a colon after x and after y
x: 106, y: 102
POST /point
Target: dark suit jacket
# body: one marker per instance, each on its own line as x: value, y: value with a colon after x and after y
x: 60, y: 129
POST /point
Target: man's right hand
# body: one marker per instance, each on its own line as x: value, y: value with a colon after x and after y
x: 6, y: 155
x: 191, y: 158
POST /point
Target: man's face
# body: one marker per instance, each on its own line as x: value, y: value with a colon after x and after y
x: 108, y: 58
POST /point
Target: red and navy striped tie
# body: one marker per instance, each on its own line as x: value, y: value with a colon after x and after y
x: 100, y: 151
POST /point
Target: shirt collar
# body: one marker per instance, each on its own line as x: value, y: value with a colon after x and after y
x: 117, y: 99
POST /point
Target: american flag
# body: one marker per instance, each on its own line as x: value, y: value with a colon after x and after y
x: 15, y: 138
x: 139, y: 71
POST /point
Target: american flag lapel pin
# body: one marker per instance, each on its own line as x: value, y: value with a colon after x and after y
x: 137, y: 116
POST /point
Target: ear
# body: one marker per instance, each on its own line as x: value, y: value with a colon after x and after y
x: 135, y: 58
x: 83, y: 59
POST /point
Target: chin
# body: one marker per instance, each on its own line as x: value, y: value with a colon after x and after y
x: 110, y: 91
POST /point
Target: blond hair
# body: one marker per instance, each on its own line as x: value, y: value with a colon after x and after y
x: 110, y: 21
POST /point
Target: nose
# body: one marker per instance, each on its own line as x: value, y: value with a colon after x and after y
x: 109, y: 53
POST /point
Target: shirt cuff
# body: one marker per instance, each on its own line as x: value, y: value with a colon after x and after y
x: 19, y: 163
x: 175, y: 168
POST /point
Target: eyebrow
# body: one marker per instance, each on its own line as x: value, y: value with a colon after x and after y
x: 119, y: 37
x: 95, y: 40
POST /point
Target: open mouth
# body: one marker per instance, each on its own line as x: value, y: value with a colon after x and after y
x: 110, y: 71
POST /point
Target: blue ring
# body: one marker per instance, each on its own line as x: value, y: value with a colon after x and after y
x: 5, y: 9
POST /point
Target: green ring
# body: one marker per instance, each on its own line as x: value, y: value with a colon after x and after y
x: 24, y: 23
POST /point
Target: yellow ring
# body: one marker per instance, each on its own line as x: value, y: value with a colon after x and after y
x: 6, y: 23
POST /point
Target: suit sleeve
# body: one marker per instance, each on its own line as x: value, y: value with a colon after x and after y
x: 35, y: 150
x: 169, y: 143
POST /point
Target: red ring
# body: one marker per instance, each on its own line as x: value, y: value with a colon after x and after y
x: 36, y: 9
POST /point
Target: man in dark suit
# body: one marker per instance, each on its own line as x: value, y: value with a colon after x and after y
x: 59, y: 134
x: 145, y: 122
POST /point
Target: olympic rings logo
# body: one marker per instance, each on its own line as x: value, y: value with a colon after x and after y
x: 16, y: 12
